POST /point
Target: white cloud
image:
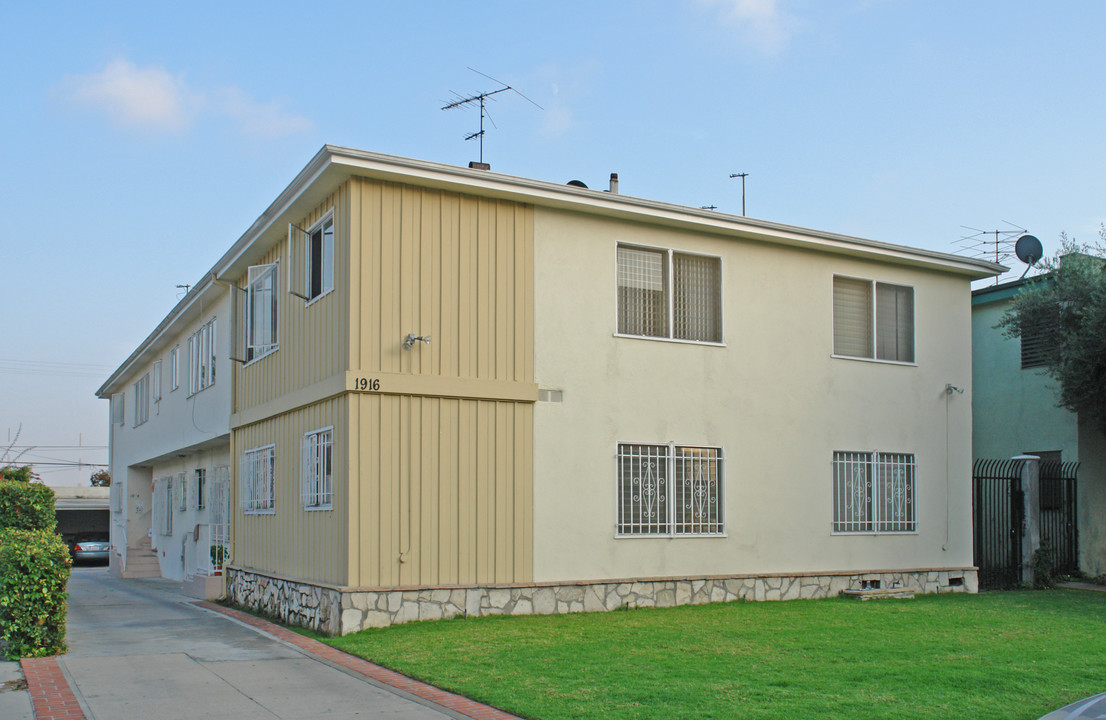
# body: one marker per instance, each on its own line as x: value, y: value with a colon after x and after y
x: 762, y: 22
x: 148, y: 98
x: 151, y: 98
x: 255, y: 118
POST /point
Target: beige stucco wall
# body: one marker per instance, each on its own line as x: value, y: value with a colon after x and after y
x: 773, y: 398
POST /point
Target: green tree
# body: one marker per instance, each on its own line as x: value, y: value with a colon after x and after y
x: 100, y: 478
x: 19, y: 474
x: 1067, y: 306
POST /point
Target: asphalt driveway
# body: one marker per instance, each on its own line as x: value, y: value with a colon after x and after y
x: 139, y: 649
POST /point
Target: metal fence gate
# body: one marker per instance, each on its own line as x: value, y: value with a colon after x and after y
x: 998, y: 520
x: 1058, y: 519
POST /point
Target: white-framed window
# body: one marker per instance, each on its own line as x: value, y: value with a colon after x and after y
x: 174, y: 368
x: 669, y: 295
x: 257, y: 491
x: 317, y: 479
x: 142, y: 400
x: 261, y: 311
x: 873, y: 320
x: 155, y: 381
x: 670, y: 490
x: 874, y: 492
x: 320, y: 258
x: 201, y: 358
x: 199, y: 489
x: 118, y: 411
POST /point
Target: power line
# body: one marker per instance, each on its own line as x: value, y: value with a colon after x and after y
x: 13, y: 366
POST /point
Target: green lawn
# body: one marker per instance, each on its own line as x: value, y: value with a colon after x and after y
x: 996, y: 655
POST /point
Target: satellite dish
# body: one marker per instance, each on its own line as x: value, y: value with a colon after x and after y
x: 1028, y: 249
x: 577, y: 183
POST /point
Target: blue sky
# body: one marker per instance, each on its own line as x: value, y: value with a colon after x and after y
x: 141, y: 140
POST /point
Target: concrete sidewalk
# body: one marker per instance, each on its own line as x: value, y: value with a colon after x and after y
x: 138, y: 649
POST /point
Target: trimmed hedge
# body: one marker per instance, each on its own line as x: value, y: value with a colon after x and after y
x: 27, y: 506
x: 34, y: 570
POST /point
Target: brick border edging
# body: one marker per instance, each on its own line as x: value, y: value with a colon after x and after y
x: 51, y: 696
x: 452, y: 701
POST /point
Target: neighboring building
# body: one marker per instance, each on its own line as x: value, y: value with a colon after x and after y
x: 1015, y: 412
x: 170, y: 441
x: 460, y: 392
x: 82, y: 513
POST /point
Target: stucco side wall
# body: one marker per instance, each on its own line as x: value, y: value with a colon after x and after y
x: 185, y: 550
x: 1014, y: 410
x: 773, y: 398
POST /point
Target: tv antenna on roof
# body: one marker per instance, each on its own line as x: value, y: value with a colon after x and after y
x: 481, y: 98
x: 995, y: 245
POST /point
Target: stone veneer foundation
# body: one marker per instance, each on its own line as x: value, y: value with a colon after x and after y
x: 338, y: 611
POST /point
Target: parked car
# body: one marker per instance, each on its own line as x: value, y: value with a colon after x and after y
x: 1089, y: 707
x: 91, y: 550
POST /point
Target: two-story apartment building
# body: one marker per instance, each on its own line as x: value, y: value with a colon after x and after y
x: 460, y: 392
x: 170, y: 442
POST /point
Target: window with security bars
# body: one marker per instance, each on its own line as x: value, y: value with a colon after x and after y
x: 874, y: 492
x: 669, y: 490
x: 873, y: 320
x: 670, y: 295
x: 257, y: 492
x: 318, y: 483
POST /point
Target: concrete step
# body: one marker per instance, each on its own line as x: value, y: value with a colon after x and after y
x: 142, y: 562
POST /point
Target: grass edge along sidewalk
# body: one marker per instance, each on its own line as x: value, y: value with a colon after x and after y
x: 450, y: 701
x: 993, y: 655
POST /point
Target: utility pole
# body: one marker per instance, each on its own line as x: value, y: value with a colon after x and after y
x: 742, y: 176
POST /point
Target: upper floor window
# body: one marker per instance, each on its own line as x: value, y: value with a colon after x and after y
x: 320, y: 259
x: 261, y: 311
x: 873, y: 320
x: 669, y: 294
x: 155, y: 381
x: 174, y: 368
x: 201, y: 358
x: 117, y: 408
x: 669, y: 490
x: 1038, y: 340
x: 142, y: 400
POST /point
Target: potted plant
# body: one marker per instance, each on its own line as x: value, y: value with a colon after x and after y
x: 218, y: 557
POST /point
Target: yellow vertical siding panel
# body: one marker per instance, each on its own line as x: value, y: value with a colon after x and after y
x: 370, y: 277
x: 504, y: 501
x: 450, y: 267
x: 504, y: 300
x: 430, y: 450
x: 466, y: 285
x: 466, y: 491
x: 448, y: 486
x: 524, y: 289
